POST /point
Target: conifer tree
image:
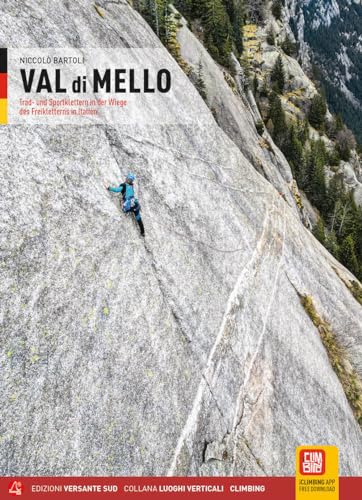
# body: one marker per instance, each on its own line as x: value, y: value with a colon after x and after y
x: 277, y: 117
x: 346, y: 217
x: 200, y: 84
x: 288, y: 46
x: 303, y: 131
x: 348, y: 255
x: 270, y: 37
x: 335, y: 192
x: 334, y: 126
x: 198, y: 7
x: 358, y: 233
x: 278, y: 76
x: 238, y: 23
x: 318, y: 185
x: 334, y: 157
x: 148, y: 11
x: 331, y: 244
x: 218, y: 31
x: 294, y: 153
x: 339, y: 123
x: 236, y: 12
x: 186, y: 7
x: 317, y: 111
x: 319, y: 231
x: 255, y: 85
x: 277, y: 9
x: 316, y: 179
x: 155, y: 12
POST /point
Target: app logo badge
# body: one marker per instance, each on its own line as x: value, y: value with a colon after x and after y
x: 312, y: 462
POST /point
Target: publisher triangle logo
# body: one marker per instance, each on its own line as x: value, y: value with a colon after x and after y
x: 317, y: 473
x: 16, y: 488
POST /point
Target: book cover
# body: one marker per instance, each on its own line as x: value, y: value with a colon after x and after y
x: 180, y: 249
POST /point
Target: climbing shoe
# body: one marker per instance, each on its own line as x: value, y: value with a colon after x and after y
x: 140, y: 223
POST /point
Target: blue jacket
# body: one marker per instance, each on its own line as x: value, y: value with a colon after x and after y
x: 126, y: 190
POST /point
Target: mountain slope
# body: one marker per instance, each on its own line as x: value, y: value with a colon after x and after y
x: 330, y: 33
x: 189, y: 353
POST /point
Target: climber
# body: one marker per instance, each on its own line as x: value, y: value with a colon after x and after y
x: 129, y: 201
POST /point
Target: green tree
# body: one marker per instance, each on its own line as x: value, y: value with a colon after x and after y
x: 316, y: 179
x: 341, y: 218
x: 303, y: 131
x: 149, y: 12
x: 199, y: 83
x: 278, y: 76
x: 331, y: 244
x: 236, y: 12
x: 155, y: 12
x: 186, y: 7
x: 288, y: 46
x: 270, y: 37
x: 335, y: 192
x: 218, y: 31
x: 277, y: 9
x: 260, y: 127
x: 198, y: 8
x: 358, y: 232
x: 350, y: 218
x: 277, y: 117
x: 293, y: 150
x: 319, y: 231
x: 255, y: 85
x: 334, y: 126
x: 317, y: 111
x: 348, y: 255
x: 334, y: 157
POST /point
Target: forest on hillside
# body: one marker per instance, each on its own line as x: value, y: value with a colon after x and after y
x: 339, y: 227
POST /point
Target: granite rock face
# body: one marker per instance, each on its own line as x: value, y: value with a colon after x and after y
x: 187, y: 353
x: 237, y: 114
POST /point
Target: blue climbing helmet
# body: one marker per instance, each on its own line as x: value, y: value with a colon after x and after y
x: 131, y: 177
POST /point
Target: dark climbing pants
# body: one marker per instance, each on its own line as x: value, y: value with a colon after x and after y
x: 132, y: 206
